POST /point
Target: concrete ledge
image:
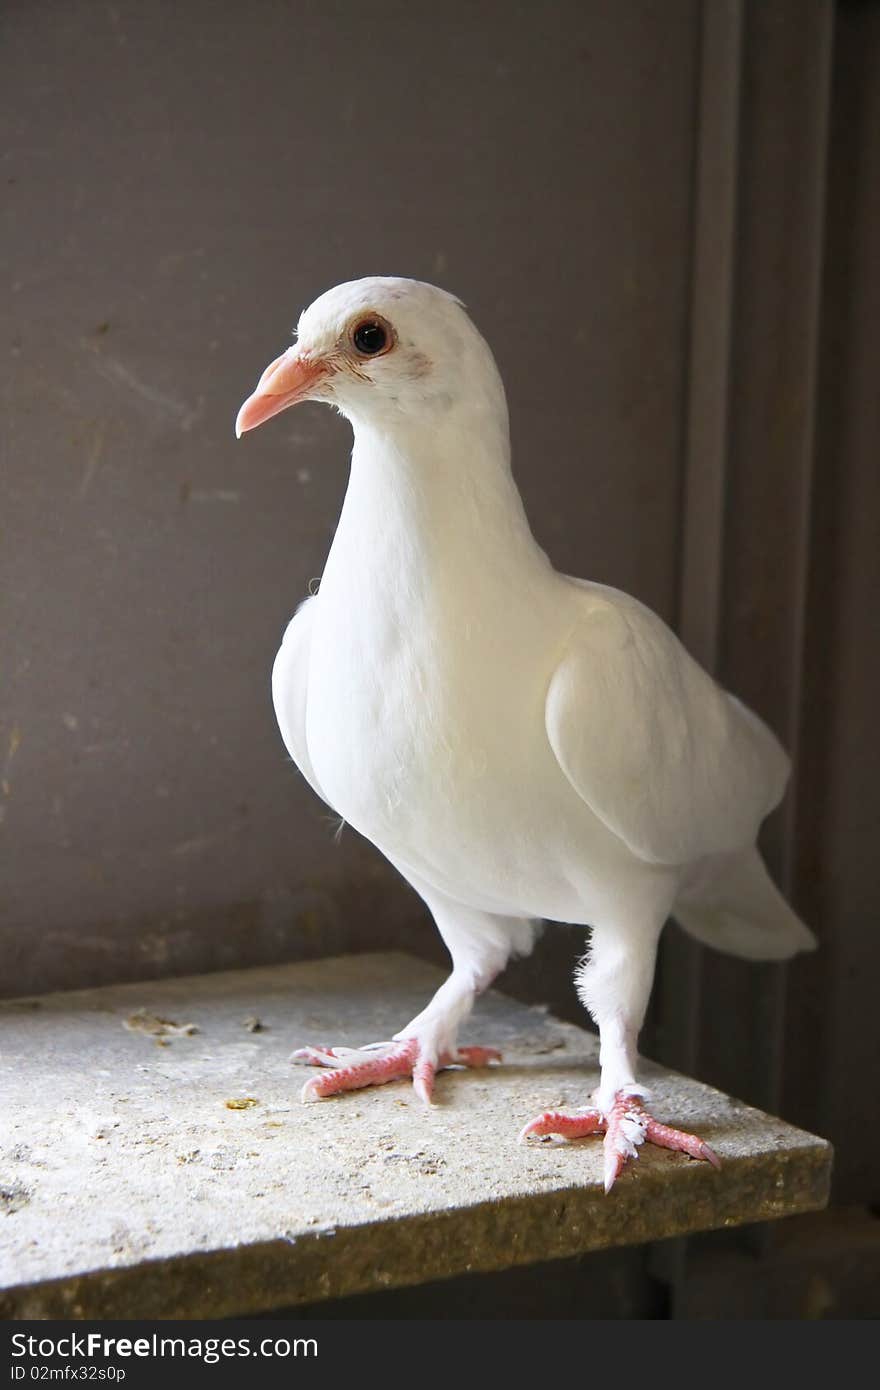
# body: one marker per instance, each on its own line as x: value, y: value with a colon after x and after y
x: 131, y: 1187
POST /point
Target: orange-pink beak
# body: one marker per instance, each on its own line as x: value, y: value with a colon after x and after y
x: 290, y: 378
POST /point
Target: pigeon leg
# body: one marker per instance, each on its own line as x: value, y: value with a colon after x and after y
x: 479, y: 944
x: 615, y: 983
x: 421, y: 1049
x: 626, y: 1125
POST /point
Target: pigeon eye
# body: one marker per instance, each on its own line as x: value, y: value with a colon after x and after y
x: 371, y: 337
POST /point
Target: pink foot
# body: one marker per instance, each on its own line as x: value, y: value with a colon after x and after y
x: 626, y: 1126
x: 351, y: 1068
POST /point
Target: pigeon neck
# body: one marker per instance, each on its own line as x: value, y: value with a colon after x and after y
x: 447, y: 485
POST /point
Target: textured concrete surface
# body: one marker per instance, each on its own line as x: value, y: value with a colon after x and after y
x: 155, y: 1159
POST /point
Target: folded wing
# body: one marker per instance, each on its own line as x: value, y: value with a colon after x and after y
x: 673, y: 765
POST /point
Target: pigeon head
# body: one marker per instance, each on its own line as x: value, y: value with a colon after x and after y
x: 378, y: 349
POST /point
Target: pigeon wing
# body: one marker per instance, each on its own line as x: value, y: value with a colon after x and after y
x: 673, y: 765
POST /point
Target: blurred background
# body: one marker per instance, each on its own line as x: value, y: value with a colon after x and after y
x: 664, y: 215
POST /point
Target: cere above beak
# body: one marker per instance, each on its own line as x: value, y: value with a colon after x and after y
x: 287, y: 380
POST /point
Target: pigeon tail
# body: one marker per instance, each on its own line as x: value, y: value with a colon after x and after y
x: 732, y: 904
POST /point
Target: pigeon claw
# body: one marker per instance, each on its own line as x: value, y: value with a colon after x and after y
x: 352, y: 1068
x: 626, y: 1126
x: 566, y: 1126
x: 665, y: 1137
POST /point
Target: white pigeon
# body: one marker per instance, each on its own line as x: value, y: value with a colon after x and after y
x: 519, y: 744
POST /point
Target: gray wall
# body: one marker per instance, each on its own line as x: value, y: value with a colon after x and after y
x: 181, y: 179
